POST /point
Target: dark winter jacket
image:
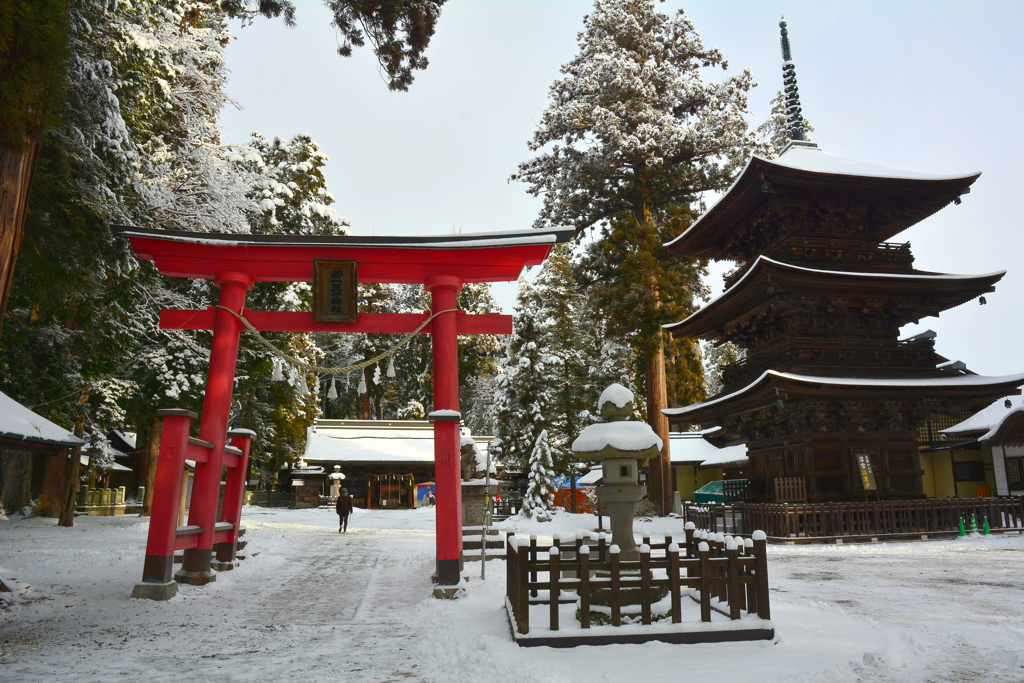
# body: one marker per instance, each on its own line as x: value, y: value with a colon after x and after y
x: 344, y: 505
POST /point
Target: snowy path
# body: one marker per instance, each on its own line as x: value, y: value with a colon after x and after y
x: 313, y: 605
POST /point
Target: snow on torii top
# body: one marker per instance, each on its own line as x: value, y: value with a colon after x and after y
x: 617, y: 438
x: 471, y: 257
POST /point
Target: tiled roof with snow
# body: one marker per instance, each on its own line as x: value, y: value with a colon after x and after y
x: 18, y: 422
x: 987, y: 418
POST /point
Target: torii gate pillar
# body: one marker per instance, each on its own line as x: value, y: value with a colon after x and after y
x: 445, y: 416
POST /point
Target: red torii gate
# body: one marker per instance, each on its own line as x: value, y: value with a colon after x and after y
x: 442, y: 264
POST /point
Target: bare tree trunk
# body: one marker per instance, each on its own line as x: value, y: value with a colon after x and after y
x: 152, y: 454
x: 15, y: 182
x: 51, y: 497
x: 658, y: 470
x: 67, y: 513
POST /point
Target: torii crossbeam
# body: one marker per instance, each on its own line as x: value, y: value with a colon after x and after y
x: 442, y: 264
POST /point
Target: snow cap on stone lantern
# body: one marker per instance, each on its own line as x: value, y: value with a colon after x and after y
x: 619, y: 437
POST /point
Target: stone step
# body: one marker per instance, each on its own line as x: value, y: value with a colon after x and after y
x: 474, y: 555
x: 474, y: 544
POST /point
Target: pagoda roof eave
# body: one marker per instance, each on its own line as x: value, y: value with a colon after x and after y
x: 472, y: 257
x: 766, y: 389
x: 796, y: 171
x: 745, y: 294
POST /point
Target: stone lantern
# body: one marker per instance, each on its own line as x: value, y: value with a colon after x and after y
x: 620, y: 444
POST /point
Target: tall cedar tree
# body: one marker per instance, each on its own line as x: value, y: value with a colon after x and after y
x: 35, y: 63
x: 633, y: 134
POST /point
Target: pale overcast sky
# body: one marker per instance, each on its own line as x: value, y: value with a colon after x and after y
x: 933, y: 87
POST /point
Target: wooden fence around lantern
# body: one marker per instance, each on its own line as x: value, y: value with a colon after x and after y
x: 736, y: 575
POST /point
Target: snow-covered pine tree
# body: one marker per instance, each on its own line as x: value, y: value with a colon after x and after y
x: 632, y: 136
x: 524, y: 395
x: 540, y: 496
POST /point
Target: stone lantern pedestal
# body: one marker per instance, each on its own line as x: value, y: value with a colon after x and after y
x: 620, y: 444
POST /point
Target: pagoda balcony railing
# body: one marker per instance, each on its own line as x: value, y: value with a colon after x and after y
x: 838, y: 254
x: 782, y: 353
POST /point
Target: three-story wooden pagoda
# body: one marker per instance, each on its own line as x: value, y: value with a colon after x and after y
x: 817, y: 301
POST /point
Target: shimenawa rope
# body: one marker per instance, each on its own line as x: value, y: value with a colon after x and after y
x: 309, y: 367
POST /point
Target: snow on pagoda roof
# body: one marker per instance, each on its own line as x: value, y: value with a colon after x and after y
x: 953, y: 381
x: 989, y: 418
x: 19, y: 423
x: 815, y: 160
x: 762, y: 262
x: 809, y: 169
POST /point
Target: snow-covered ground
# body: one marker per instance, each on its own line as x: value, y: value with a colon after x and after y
x: 311, y: 604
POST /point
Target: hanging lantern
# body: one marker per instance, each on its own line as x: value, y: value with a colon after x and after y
x: 277, y: 375
x: 362, y: 384
x: 332, y: 393
x: 376, y: 374
x: 391, y: 367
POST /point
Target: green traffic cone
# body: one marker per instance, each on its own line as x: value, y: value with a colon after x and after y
x: 985, y: 528
x: 963, y: 532
x: 974, y: 525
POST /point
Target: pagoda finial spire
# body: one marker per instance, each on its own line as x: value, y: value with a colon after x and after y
x: 794, y: 121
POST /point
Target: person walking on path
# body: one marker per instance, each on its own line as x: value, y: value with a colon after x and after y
x: 344, y: 509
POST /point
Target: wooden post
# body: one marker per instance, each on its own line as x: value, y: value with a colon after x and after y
x: 645, y: 583
x: 673, y: 578
x: 751, y: 588
x: 602, y: 548
x: 705, y: 582
x: 554, y: 572
x: 583, y: 553
x: 613, y: 561
x: 732, y: 552
x: 761, y: 554
x: 522, y: 610
x: 533, y: 562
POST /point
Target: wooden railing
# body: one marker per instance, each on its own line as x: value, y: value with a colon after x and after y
x: 872, y: 518
x: 730, y: 569
x: 790, y: 489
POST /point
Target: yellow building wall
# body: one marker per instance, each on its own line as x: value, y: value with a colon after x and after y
x: 689, y: 479
x: 938, y: 480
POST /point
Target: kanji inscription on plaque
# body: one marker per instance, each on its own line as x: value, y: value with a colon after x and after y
x: 335, y: 291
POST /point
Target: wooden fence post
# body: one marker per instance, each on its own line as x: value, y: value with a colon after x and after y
x: 691, y: 548
x: 533, y: 562
x: 645, y: 583
x: 705, y: 582
x: 584, y: 559
x: 761, y: 554
x: 673, y: 577
x: 748, y: 550
x: 732, y: 552
x: 554, y: 573
x: 523, y: 592
x: 616, y: 600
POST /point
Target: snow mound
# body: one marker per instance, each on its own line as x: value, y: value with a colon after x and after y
x: 617, y: 394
